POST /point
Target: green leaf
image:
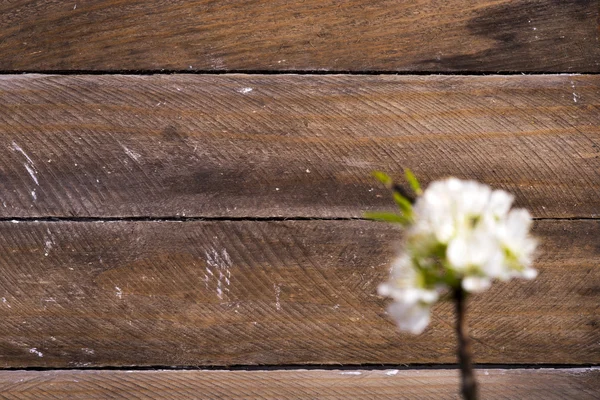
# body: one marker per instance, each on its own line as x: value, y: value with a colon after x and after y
x: 383, y: 178
x: 413, y: 181
x: 387, y: 217
x: 403, y: 203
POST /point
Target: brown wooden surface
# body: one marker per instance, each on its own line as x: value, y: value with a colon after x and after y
x: 292, y: 146
x: 543, y: 384
x: 224, y: 293
x: 357, y: 35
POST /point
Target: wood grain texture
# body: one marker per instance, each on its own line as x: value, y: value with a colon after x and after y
x: 94, y: 294
x: 543, y: 384
x: 291, y: 146
x: 357, y: 35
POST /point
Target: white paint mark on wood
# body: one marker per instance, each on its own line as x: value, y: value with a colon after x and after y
x: 351, y: 373
x: 88, y: 350
x: 48, y: 243
x: 245, y: 90
x: 18, y: 148
x: 277, y: 293
x: 5, y: 302
x: 392, y: 372
x: 36, y: 352
x: 220, y: 285
x: 217, y: 63
x: 222, y: 263
x: 119, y: 292
x: 575, y: 95
x: 132, y: 154
x: 32, y: 173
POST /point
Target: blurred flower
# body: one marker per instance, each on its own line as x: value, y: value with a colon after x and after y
x: 460, y: 234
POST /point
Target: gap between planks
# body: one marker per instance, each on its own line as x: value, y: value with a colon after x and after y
x: 294, y: 72
x: 581, y: 383
x: 16, y: 220
x: 310, y: 367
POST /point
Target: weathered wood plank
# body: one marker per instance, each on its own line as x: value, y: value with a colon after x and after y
x: 545, y: 384
x: 358, y: 35
x: 293, y: 292
x: 292, y: 146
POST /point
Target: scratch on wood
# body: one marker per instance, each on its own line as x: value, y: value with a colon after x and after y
x: 29, y: 166
x: 132, y: 154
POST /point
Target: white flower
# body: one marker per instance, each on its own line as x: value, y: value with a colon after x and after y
x: 462, y: 233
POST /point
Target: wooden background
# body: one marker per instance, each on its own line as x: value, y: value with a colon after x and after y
x: 182, y: 186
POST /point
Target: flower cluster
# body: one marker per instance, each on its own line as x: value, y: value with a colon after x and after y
x: 460, y: 234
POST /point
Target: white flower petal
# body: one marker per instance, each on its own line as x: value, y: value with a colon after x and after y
x: 529, y: 273
x: 500, y: 202
x: 457, y: 253
x: 494, y: 266
x: 475, y: 284
x: 518, y: 222
x: 384, y: 289
x: 482, y: 247
x: 413, y: 318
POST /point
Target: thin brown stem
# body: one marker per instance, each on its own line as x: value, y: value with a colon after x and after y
x: 469, y: 385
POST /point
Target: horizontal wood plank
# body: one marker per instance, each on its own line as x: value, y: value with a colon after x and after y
x: 357, y: 35
x: 543, y: 384
x: 291, y: 146
x: 91, y: 294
